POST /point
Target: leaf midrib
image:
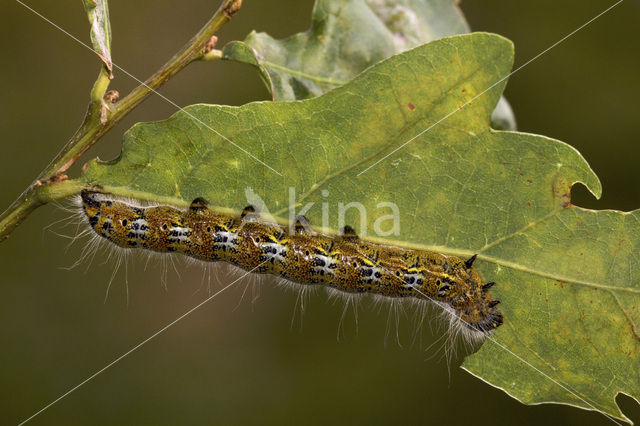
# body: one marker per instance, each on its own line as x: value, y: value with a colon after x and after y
x: 310, y: 77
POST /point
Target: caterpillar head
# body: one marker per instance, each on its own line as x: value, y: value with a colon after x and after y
x: 112, y: 220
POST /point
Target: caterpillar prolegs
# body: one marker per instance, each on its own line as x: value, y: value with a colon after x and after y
x: 345, y: 262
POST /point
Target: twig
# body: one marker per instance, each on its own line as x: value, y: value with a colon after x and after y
x: 102, y: 114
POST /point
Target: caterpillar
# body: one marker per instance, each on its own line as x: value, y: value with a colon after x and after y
x: 345, y: 262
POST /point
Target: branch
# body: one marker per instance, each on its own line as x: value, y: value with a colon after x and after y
x: 103, y: 113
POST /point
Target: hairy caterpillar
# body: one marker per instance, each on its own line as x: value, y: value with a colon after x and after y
x: 345, y: 263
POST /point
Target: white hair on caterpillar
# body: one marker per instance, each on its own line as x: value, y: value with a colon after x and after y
x: 253, y: 283
x: 303, y: 294
x: 96, y: 247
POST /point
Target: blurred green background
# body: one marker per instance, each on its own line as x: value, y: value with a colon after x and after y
x: 234, y: 362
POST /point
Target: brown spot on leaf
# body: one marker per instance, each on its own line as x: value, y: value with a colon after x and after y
x: 411, y: 106
x: 85, y: 166
x: 562, y: 191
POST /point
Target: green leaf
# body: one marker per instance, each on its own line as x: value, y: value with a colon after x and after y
x: 568, y: 277
x: 98, y: 13
x: 346, y: 37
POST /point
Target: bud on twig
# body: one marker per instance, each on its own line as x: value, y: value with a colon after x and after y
x: 112, y: 96
x: 232, y: 8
